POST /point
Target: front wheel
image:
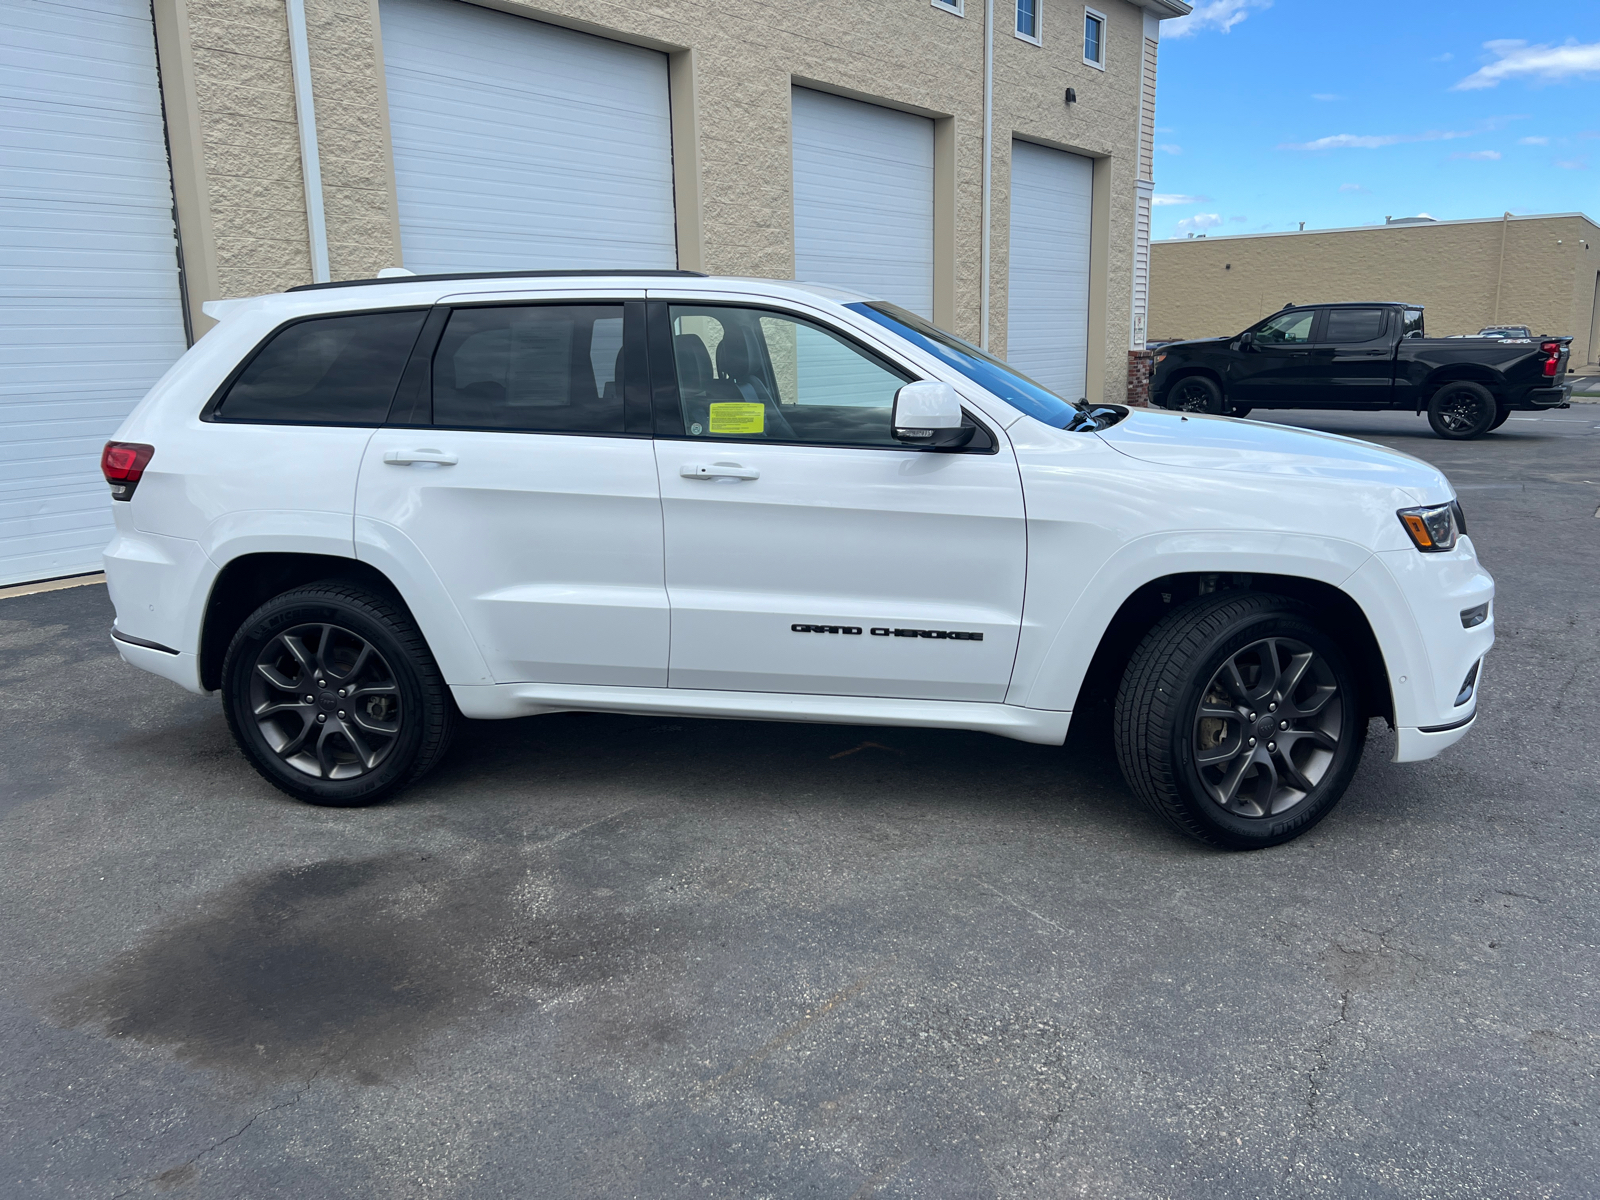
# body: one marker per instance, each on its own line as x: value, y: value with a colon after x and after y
x: 1196, y: 394
x: 1462, y: 410
x: 332, y: 694
x: 1239, y: 720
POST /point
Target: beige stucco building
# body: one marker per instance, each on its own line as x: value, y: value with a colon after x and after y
x: 986, y: 163
x: 1539, y: 271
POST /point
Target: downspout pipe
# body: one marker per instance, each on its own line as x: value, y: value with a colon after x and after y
x: 306, y: 118
x: 988, y: 166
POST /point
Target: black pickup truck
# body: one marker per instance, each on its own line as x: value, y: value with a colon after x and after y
x: 1364, y: 357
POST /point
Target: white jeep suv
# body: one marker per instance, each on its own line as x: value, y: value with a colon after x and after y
x: 364, y: 511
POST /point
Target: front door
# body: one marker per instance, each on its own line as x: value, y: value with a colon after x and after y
x: 806, y: 549
x: 1275, y: 367
x: 521, y: 482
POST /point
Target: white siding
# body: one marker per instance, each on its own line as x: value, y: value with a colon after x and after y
x: 523, y: 145
x: 863, y: 198
x: 1047, y: 325
x: 90, y: 312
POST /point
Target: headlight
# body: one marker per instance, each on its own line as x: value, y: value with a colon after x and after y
x: 1436, y: 528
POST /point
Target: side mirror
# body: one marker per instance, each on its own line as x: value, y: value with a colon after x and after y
x: 1247, y: 341
x: 929, y: 414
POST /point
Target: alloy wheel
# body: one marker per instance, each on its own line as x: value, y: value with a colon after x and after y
x: 1267, y: 727
x: 1190, y: 395
x: 325, y: 701
x: 1460, y: 411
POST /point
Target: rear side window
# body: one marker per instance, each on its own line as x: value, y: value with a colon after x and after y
x: 1353, y: 325
x: 326, y: 371
x: 532, y: 368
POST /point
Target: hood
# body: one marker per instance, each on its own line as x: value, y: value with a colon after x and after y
x: 1193, y: 440
x: 1188, y: 342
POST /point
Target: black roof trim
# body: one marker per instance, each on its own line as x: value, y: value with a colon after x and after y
x: 584, y: 273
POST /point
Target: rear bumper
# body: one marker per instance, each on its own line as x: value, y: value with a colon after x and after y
x: 1547, y: 397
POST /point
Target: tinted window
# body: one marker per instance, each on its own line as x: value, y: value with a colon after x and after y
x: 331, y: 370
x: 1287, y: 328
x: 556, y: 368
x: 757, y: 374
x: 1413, y: 325
x: 1354, y: 325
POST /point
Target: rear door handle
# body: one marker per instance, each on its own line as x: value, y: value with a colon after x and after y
x: 404, y: 458
x: 718, y: 471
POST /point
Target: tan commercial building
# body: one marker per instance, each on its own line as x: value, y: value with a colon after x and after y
x: 1540, y: 271
x: 986, y: 163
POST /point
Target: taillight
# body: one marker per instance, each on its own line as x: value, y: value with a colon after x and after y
x: 123, y: 464
x: 1553, y: 349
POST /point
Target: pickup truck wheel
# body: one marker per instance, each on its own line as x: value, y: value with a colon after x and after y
x: 1500, y: 419
x: 332, y: 694
x: 1196, y: 394
x: 1462, y: 410
x: 1238, y: 720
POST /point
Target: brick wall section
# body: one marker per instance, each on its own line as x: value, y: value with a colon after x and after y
x: 1141, y: 364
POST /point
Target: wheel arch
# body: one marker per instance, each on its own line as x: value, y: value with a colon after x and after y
x: 1457, y: 373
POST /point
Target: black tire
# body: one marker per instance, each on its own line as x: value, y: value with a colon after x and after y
x: 1164, y: 740
x: 389, y: 723
x: 1500, y: 419
x: 1196, y: 394
x: 1462, y: 410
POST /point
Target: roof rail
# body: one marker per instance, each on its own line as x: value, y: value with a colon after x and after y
x: 587, y: 272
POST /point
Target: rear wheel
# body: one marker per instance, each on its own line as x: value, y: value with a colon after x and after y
x: 333, y: 696
x: 1239, y: 720
x: 1462, y: 410
x: 1196, y: 394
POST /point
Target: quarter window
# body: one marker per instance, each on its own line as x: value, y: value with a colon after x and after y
x: 1413, y: 323
x: 755, y: 374
x: 327, y: 371
x: 532, y: 368
x: 1287, y: 328
x: 1028, y: 20
x: 1094, y: 38
x: 1353, y: 325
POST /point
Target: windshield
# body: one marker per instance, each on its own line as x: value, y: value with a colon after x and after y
x: 984, y: 370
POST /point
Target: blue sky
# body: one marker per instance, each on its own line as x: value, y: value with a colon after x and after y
x: 1273, y: 112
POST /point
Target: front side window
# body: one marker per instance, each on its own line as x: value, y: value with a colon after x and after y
x: 1094, y: 38
x: 1285, y: 329
x: 554, y: 368
x: 1028, y: 19
x: 756, y: 374
x: 1353, y: 325
x: 326, y: 371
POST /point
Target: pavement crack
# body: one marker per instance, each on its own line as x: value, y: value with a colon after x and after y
x: 1321, y: 1050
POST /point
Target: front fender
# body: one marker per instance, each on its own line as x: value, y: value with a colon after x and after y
x: 1054, y: 655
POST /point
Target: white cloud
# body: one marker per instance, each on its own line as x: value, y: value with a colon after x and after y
x: 1351, y: 187
x: 1221, y: 15
x: 1546, y: 64
x: 1533, y: 141
x: 1161, y: 199
x: 1200, y: 221
x: 1572, y: 164
x: 1325, y: 96
x: 1169, y: 148
x: 1445, y: 57
x: 1479, y: 155
x: 1364, y: 141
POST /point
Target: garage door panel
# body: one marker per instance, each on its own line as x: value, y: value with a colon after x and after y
x: 523, y: 145
x: 863, y: 198
x: 90, y: 311
x: 1047, y: 319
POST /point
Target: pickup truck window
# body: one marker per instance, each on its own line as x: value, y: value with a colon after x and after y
x: 1287, y: 328
x: 1413, y: 324
x: 1353, y: 325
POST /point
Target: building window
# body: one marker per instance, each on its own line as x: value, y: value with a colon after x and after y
x: 1028, y: 21
x: 1094, y: 38
x: 949, y: 6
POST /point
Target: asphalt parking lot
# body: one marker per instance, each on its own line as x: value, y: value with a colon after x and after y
x: 620, y: 957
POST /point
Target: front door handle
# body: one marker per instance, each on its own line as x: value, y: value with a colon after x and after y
x: 404, y: 458
x: 721, y: 470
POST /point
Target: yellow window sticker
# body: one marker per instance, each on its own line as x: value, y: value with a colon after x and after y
x: 738, y: 418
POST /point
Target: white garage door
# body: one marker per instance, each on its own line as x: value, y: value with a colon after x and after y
x: 520, y: 145
x: 863, y: 198
x: 1047, y: 324
x: 90, y: 314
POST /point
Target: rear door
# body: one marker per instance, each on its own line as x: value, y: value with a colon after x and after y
x: 518, y: 471
x: 1275, y: 368
x: 806, y: 549
x: 1352, y: 360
